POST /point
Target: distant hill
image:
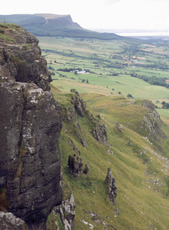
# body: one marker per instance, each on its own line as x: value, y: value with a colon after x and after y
x: 54, y: 25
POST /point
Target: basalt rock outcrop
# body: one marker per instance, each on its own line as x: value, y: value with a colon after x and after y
x: 30, y: 126
x: 98, y: 128
x: 78, y: 103
x: 75, y: 165
x: 152, y: 121
x: 67, y: 213
x: 99, y: 132
x: 111, y: 186
x: 9, y: 222
x: 71, y: 112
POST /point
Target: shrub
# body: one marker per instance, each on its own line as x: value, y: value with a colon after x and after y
x: 129, y: 96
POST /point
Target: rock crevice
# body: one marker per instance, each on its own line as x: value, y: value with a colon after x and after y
x: 30, y: 125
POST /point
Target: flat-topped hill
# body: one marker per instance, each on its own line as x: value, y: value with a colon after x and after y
x: 54, y: 25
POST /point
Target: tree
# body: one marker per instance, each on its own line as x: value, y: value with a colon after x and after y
x: 165, y: 105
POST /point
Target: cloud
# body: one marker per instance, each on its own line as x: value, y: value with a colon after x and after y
x: 112, y: 1
x: 106, y: 14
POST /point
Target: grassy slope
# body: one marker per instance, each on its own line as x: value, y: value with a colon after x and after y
x: 4, y: 27
x: 142, y: 191
x: 140, y: 171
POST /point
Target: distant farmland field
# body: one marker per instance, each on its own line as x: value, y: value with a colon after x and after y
x: 127, y: 67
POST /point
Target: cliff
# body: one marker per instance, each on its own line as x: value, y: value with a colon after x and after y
x: 151, y: 123
x: 30, y: 126
x: 54, y: 25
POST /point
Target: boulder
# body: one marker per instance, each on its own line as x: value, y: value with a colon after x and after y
x: 67, y: 213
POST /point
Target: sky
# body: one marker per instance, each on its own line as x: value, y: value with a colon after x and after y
x: 110, y: 15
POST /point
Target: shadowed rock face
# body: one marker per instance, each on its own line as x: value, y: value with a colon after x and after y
x: 30, y: 126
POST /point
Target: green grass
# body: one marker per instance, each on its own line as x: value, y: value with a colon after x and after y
x: 5, y: 31
x: 137, y: 163
x: 163, y: 112
x: 140, y: 199
x: 6, y: 38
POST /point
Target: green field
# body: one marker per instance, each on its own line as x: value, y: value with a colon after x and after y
x: 114, y: 67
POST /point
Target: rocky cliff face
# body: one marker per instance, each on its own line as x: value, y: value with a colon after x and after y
x: 111, y: 186
x: 20, y: 58
x: 152, y: 121
x: 67, y: 213
x: 98, y: 128
x: 9, y: 222
x: 30, y: 126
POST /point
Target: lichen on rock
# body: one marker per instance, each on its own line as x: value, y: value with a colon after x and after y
x: 30, y: 125
x: 152, y: 121
x: 67, y: 213
x: 21, y: 59
x: 9, y: 222
x: 78, y: 103
x: 111, y: 186
x: 99, y: 132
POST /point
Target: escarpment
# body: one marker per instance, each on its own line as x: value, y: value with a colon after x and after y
x: 30, y: 126
x: 98, y: 129
x: 151, y: 122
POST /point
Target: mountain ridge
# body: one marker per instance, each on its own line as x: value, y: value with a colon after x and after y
x: 54, y: 25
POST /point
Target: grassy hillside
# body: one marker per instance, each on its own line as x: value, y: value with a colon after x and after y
x: 139, y: 167
x: 106, y: 73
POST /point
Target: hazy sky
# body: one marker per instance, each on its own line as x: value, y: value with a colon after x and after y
x: 100, y: 14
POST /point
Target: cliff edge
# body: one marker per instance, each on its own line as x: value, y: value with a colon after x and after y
x: 30, y: 126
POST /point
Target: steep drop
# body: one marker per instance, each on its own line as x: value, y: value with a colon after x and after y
x: 30, y: 126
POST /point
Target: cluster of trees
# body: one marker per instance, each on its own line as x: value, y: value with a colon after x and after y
x: 155, y: 65
x: 116, y: 65
x: 62, y: 53
x: 83, y: 81
x: 165, y: 105
x: 152, y: 80
x: 73, y: 70
x: 51, y: 68
x: 69, y: 69
x: 114, y: 74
